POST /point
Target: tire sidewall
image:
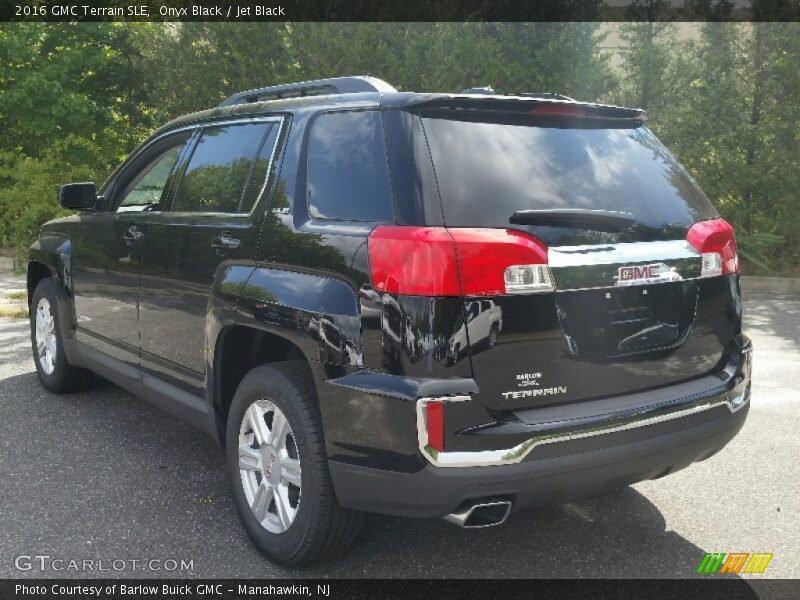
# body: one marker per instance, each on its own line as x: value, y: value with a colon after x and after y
x: 52, y: 381
x: 265, y: 383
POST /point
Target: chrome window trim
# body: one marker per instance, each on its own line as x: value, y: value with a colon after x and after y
x: 218, y: 123
x: 193, y: 127
x: 518, y: 453
x: 205, y: 125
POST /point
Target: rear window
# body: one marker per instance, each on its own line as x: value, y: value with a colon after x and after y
x: 487, y: 171
x: 348, y: 176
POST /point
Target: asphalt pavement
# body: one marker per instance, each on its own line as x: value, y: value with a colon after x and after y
x: 102, y: 476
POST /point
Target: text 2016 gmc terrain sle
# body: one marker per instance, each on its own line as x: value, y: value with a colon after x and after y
x: 427, y: 305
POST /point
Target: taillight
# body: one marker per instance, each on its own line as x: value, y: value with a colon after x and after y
x: 418, y: 261
x: 434, y: 419
x: 558, y: 110
x: 435, y: 261
x: 716, y: 243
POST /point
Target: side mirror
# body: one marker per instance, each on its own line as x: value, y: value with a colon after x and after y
x: 77, y: 196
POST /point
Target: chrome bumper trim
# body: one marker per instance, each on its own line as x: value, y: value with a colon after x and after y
x: 733, y: 400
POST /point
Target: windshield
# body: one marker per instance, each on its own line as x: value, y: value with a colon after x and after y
x: 487, y: 171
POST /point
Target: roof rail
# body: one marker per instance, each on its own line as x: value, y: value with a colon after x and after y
x: 479, y: 90
x: 546, y: 96
x: 318, y: 87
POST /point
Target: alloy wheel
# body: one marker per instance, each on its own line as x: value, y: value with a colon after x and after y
x: 269, y: 466
x: 46, y: 336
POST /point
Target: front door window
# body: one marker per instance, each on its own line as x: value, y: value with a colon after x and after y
x: 145, y: 190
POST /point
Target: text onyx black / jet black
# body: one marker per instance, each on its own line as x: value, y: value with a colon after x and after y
x: 425, y: 305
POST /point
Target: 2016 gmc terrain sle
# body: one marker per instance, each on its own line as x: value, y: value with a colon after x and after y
x: 428, y: 305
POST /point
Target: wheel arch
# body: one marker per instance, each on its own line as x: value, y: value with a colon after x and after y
x: 50, y: 257
x: 37, y: 271
x: 239, y: 349
x: 261, y: 314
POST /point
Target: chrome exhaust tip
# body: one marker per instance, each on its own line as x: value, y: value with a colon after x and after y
x: 476, y: 515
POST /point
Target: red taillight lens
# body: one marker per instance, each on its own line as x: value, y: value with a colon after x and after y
x: 484, y: 256
x: 418, y: 261
x: 715, y: 241
x: 434, y: 422
x: 434, y: 261
x: 558, y: 110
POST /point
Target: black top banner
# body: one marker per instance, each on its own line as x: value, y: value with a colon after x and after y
x: 401, y: 10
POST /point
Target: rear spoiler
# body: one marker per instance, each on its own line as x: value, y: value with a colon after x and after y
x: 516, y: 106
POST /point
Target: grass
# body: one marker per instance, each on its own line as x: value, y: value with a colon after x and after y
x: 14, y: 313
x: 18, y: 295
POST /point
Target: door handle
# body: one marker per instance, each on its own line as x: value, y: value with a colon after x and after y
x: 132, y: 234
x: 225, y: 241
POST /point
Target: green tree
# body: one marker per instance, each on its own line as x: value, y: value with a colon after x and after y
x: 75, y: 98
x: 188, y: 67
x: 729, y: 123
x: 68, y: 109
x: 647, y: 54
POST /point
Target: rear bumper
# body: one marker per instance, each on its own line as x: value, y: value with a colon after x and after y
x: 560, y: 467
x: 436, y: 491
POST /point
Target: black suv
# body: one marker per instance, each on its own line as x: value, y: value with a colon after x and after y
x: 427, y: 305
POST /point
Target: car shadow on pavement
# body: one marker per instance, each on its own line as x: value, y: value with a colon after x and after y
x: 133, y: 482
x: 618, y: 535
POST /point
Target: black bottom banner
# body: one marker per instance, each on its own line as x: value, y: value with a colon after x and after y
x: 463, y: 589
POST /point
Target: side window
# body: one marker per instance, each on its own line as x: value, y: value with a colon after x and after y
x: 227, y: 170
x: 348, y: 178
x: 258, y: 178
x: 145, y: 190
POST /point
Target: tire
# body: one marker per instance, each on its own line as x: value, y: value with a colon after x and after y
x: 318, y: 528
x: 55, y: 373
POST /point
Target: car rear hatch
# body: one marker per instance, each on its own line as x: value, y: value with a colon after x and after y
x: 627, y: 301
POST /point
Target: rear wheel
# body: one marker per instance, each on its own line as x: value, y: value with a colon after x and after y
x: 55, y: 373
x: 276, y: 457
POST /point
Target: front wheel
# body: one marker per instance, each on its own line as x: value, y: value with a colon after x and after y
x: 55, y: 373
x: 278, y: 465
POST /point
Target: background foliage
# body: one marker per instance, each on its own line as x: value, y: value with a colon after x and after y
x: 76, y: 98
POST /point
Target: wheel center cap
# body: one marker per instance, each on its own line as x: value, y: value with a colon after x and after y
x: 272, y: 467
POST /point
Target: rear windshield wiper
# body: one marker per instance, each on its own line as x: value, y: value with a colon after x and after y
x: 577, y: 218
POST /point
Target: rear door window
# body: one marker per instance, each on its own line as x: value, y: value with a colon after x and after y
x: 228, y: 168
x: 348, y: 177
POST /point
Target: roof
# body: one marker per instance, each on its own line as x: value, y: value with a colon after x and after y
x: 369, y: 92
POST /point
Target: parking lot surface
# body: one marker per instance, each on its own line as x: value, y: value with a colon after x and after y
x: 103, y: 475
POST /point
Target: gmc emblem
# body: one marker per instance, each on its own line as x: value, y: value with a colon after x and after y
x: 639, y: 273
